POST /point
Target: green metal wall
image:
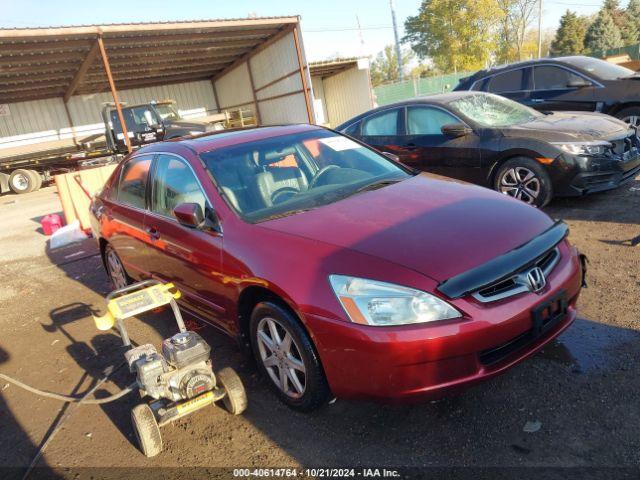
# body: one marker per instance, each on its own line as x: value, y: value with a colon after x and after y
x: 417, y: 87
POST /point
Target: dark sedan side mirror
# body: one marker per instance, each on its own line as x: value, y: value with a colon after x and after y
x: 189, y: 214
x: 391, y: 156
x: 579, y: 83
x: 455, y: 130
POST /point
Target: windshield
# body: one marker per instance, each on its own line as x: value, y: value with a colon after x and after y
x: 600, y: 68
x: 283, y: 175
x: 493, y: 111
x: 167, y: 111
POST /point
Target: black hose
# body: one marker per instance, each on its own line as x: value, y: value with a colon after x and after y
x: 70, y: 399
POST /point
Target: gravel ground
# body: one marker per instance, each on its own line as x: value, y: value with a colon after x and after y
x: 580, y: 394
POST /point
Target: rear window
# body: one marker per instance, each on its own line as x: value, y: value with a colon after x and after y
x: 506, y: 82
x: 381, y: 124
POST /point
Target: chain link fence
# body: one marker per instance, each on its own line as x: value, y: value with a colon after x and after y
x: 417, y: 87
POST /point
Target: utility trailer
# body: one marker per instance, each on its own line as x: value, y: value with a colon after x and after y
x: 25, y: 168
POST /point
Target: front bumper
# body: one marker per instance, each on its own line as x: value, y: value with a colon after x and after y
x: 599, y: 174
x: 419, y: 362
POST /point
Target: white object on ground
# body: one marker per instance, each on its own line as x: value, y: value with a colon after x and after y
x: 531, y: 427
x: 68, y: 234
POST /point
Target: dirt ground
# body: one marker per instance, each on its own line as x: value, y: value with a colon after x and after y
x: 583, y: 389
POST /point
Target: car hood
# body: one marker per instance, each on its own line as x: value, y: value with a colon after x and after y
x: 571, y: 126
x: 436, y: 226
x: 190, y: 125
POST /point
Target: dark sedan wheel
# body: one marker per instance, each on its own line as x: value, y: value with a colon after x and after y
x: 526, y: 180
x: 630, y: 115
x: 115, y: 268
x: 286, y: 356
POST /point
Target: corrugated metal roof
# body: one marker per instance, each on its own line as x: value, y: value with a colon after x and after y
x: 327, y: 68
x: 48, y: 62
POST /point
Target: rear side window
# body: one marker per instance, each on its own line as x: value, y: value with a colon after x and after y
x: 552, y: 78
x: 175, y: 183
x: 133, y: 182
x: 428, y: 120
x: 506, y: 82
x: 381, y: 124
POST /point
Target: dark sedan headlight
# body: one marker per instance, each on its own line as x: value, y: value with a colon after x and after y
x: 584, y: 148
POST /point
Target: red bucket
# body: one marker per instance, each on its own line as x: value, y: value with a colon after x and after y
x: 51, y: 223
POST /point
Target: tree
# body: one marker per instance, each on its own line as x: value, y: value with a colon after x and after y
x: 631, y: 30
x: 384, y: 68
x: 603, y: 34
x: 569, y: 39
x: 517, y: 16
x: 455, y: 34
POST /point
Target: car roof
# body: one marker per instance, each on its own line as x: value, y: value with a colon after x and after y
x: 224, y: 138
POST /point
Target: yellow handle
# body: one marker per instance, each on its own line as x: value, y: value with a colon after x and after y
x: 105, y: 322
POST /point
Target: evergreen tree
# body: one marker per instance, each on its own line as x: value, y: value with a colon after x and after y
x: 603, y: 34
x: 631, y: 30
x: 569, y: 39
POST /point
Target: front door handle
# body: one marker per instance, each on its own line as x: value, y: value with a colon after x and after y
x: 537, y: 100
x: 153, y: 232
x: 411, y: 146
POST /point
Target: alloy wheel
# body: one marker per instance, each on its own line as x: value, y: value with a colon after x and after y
x: 521, y: 183
x: 633, y: 120
x: 281, y: 357
x: 116, y: 270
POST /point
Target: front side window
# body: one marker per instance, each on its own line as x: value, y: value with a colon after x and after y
x: 133, y: 182
x: 601, y: 68
x: 174, y: 183
x: 381, y: 124
x: 428, y: 120
x: 506, y: 82
x: 291, y: 173
x: 553, y: 78
x: 491, y: 110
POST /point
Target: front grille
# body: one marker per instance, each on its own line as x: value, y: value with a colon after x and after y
x: 513, y: 285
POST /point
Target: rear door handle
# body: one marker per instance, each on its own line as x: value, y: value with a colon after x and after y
x: 153, y: 232
x: 537, y: 100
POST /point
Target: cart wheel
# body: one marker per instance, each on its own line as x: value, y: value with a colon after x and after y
x: 37, y: 178
x: 235, y: 400
x: 147, y: 430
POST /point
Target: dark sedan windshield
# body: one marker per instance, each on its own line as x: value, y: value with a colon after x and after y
x: 600, y: 68
x: 493, y: 111
x: 279, y: 176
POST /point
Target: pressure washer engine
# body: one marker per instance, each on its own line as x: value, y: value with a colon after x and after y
x: 180, y: 379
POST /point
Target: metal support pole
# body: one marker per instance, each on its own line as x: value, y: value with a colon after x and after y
x: 114, y: 93
x: 397, y: 39
x: 303, y: 76
x: 540, y: 29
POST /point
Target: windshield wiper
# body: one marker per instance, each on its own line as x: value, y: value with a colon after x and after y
x: 376, y: 185
x: 284, y: 214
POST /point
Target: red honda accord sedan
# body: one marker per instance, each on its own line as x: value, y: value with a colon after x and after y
x: 346, y: 273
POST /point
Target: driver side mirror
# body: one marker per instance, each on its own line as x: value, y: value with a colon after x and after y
x: 151, y: 119
x: 456, y: 130
x: 579, y: 83
x: 189, y: 215
x: 391, y: 156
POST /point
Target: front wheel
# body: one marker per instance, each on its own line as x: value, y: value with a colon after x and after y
x: 630, y: 115
x: 286, y: 356
x: 115, y: 269
x: 524, y: 179
x: 235, y: 400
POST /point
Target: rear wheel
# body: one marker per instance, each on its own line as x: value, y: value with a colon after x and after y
x: 235, y: 400
x: 286, y: 356
x: 37, y: 178
x: 630, y: 115
x: 524, y: 179
x: 115, y: 268
x: 22, y: 181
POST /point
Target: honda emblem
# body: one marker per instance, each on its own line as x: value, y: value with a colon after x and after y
x: 536, y: 279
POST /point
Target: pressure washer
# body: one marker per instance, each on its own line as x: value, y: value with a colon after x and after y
x: 176, y: 381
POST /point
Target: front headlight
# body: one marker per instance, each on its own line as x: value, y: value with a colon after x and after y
x: 370, y: 302
x: 196, y: 132
x: 584, y: 148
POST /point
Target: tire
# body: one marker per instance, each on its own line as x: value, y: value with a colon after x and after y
x: 37, y: 178
x: 119, y: 278
x: 629, y: 115
x: 22, y: 181
x: 236, y: 399
x: 147, y: 430
x: 525, y: 179
x: 294, y: 357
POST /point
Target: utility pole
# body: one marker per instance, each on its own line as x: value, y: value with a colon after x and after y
x: 540, y: 29
x: 397, y: 38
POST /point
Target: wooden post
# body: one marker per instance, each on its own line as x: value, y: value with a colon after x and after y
x: 73, y: 128
x: 215, y: 95
x: 253, y: 91
x: 114, y: 93
x: 303, y: 76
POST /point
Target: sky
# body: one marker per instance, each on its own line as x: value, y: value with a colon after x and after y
x: 329, y: 27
